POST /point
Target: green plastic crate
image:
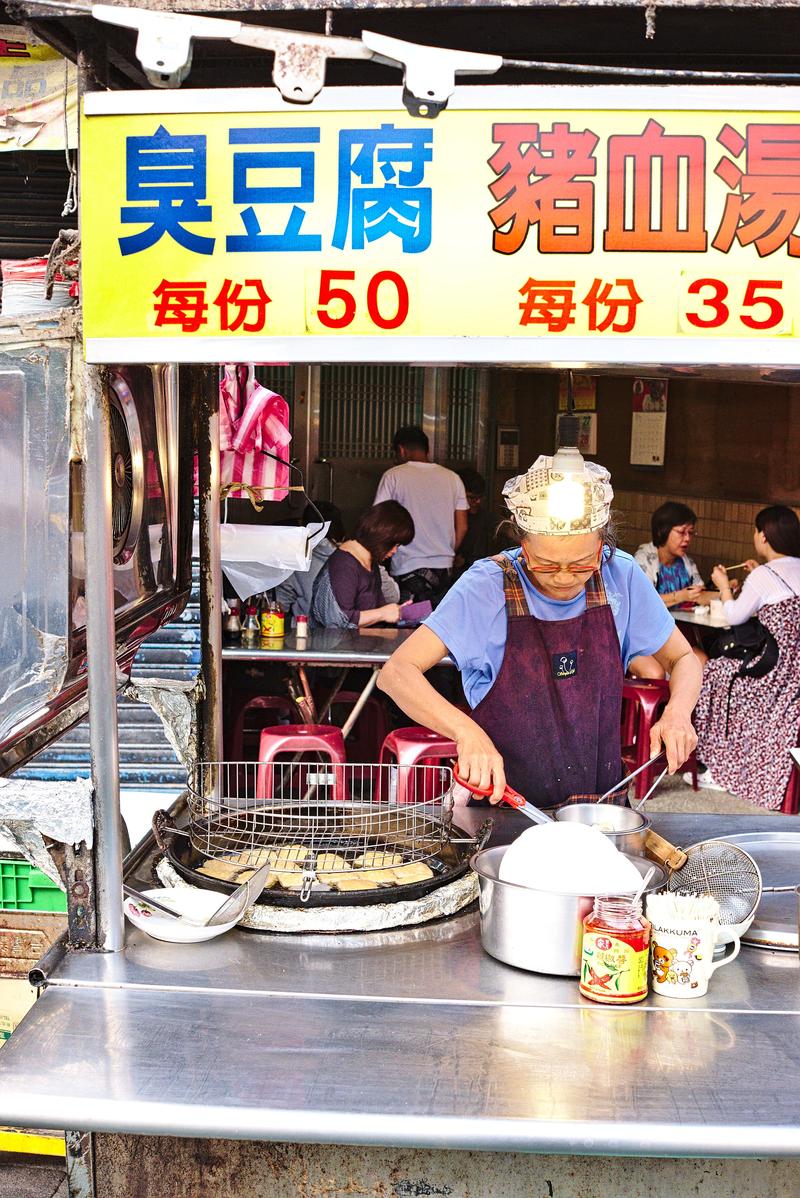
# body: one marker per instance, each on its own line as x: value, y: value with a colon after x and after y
x: 24, y: 888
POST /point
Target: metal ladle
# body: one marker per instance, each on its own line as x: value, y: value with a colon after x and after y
x: 645, y: 882
x: 229, y: 909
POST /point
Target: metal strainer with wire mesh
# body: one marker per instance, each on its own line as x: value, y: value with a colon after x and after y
x: 725, y: 871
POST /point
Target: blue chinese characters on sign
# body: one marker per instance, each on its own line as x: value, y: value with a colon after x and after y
x: 285, y: 157
x: 165, y: 180
x: 381, y: 172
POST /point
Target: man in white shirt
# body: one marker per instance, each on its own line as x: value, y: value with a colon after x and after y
x: 436, y: 499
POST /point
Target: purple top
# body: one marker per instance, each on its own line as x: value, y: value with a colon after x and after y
x: 355, y: 588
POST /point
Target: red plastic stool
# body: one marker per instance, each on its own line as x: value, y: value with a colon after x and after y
x: 300, y: 738
x: 643, y: 700
x: 791, y: 799
x: 416, y: 746
x: 279, y: 705
x: 369, y: 730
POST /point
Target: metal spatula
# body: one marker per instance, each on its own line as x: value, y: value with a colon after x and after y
x: 243, y: 897
x: 228, y: 911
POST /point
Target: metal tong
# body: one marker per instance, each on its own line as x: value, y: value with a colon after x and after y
x: 509, y: 796
x: 634, y: 774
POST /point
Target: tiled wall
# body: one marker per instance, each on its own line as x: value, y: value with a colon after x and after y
x: 724, y: 528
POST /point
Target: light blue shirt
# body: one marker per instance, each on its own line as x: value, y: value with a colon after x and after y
x: 471, y: 619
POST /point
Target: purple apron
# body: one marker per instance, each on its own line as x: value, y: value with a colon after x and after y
x: 555, y: 707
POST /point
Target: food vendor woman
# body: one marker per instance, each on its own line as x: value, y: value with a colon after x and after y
x: 542, y: 636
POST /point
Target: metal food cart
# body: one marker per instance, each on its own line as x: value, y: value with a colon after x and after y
x: 399, y: 1062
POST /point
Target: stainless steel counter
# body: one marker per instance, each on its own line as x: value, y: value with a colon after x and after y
x: 410, y: 1038
x: 329, y: 647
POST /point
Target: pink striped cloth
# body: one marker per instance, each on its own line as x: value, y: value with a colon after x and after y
x: 251, y: 419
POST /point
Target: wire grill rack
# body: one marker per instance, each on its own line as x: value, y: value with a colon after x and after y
x: 243, y: 812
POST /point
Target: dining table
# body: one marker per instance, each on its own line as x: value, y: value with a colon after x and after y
x: 342, y: 648
x: 700, y: 619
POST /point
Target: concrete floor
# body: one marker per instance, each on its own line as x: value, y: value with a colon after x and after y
x: 676, y: 795
x: 21, y: 1179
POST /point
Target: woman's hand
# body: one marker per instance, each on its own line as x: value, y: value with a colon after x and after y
x: 719, y: 577
x: 750, y: 565
x: 675, y: 733
x: 479, y: 761
x: 688, y: 594
x: 392, y: 612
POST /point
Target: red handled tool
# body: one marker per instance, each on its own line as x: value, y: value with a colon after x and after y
x: 511, y: 797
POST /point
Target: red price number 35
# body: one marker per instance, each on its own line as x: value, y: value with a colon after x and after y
x: 386, y: 299
x: 760, y: 309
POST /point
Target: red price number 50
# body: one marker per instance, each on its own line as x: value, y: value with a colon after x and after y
x: 765, y: 309
x: 387, y: 299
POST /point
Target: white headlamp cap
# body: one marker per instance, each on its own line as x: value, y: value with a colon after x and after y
x: 561, y: 495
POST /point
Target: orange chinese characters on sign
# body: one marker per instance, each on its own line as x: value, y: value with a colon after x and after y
x: 543, y: 181
x: 764, y: 207
x: 656, y: 191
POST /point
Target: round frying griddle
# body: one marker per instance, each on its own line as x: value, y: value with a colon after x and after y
x: 450, y: 861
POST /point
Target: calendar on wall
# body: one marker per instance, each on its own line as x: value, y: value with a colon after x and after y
x: 649, y: 422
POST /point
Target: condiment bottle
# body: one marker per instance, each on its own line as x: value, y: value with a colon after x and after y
x: 273, y: 621
x: 301, y: 630
x: 233, y: 625
x: 250, y: 628
x: 616, y: 949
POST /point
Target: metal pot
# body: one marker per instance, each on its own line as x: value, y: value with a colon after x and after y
x: 536, y: 929
x: 625, y: 827
x: 630, y: 831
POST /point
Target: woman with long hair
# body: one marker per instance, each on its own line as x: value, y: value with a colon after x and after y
x: 747, y: 723
x: 776, y: 539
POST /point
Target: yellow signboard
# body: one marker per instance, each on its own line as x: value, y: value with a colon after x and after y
x: 523, y: 224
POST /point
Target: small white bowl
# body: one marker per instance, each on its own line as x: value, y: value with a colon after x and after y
x: 197, y: 904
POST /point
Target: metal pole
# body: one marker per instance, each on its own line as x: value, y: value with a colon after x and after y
x: 102, y: 663
x: 360, y: 702
x: 210, y: 566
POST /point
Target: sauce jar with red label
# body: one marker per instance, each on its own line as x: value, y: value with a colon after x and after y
x: 616, y: 949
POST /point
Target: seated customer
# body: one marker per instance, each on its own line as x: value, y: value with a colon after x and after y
x: 665, y: 560
x: 347, y: 592
x: 746, y: 725
x: 777, y: 541
x: 294, y: 593
x: 671, y: 571
x: 477, y: 542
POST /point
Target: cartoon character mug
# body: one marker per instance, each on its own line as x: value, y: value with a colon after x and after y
x: 684, y: 936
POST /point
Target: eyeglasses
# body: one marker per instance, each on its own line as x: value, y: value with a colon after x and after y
x: 569, y: 568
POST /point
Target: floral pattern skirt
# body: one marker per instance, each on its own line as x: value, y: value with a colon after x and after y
x: 746, y: 726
